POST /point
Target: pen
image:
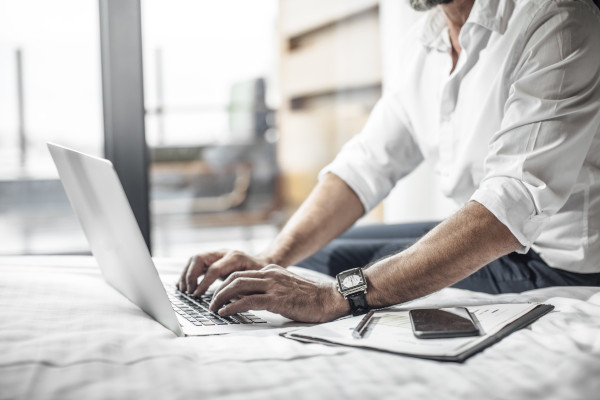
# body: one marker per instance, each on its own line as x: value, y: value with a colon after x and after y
x: 361, y: 328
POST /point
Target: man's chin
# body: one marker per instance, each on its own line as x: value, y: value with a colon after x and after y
x: 424, y: 5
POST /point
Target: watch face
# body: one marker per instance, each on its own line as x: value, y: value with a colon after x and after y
x: 350, y: 279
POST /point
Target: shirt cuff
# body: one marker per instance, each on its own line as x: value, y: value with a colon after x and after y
x: 369, y: 193
x: 510, y: 201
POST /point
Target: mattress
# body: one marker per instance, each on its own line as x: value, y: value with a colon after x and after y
x: 65, y: 334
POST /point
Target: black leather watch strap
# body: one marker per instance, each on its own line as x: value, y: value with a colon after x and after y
x: 358, y: 303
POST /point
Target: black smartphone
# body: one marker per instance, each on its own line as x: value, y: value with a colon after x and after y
x: 434, y: 323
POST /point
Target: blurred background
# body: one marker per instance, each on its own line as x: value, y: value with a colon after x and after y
x: 241, y: 104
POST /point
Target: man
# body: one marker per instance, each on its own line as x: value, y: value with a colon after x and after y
x: 503, y: 98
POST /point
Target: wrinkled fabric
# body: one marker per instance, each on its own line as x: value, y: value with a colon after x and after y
x: 515, y: 126
x: 65, y: 334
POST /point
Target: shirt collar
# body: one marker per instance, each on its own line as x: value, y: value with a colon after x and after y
x: 490, y: 14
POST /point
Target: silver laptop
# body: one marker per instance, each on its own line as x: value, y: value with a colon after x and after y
x: 99, y: 201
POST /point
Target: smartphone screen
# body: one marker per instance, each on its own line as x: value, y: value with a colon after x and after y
x: 433, y: 323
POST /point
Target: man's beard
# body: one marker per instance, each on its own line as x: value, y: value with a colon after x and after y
x: 424, y: 5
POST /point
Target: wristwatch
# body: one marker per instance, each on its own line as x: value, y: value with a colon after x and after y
x: 353, y: 286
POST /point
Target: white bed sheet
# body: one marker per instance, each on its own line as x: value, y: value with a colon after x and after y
x: 65, y: 334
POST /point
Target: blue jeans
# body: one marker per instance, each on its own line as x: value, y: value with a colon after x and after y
x: 512, y: 273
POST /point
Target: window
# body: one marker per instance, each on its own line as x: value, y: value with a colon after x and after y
x: 209, y: 71
x: 49, y: 91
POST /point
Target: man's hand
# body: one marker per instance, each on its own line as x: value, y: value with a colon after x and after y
x: 277, y: 290
x: 215, y: 265
x: 331, y: 208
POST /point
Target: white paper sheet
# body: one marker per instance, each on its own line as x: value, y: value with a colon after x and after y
x: 391, y: 330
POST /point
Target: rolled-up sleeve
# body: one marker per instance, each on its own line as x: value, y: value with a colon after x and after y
x: 374, y: 160
x: 550, y: 119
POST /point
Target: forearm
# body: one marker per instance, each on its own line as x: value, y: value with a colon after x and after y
x: 331, y: 208
x: 455, y: 249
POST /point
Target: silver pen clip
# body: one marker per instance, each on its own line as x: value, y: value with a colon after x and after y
x: 361, y: 328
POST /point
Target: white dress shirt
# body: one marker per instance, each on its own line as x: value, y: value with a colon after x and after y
x: 515, y: 127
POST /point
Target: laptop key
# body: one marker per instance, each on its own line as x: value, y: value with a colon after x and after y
x: 241, y: 319
x: 231, y: 320
x: 218, y: 321
x: 257, y: 320
x: 196, y: 310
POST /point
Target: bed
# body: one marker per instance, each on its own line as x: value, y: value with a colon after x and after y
x: 65, y: 334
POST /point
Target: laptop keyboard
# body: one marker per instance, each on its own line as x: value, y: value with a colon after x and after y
x: 195, y: 310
